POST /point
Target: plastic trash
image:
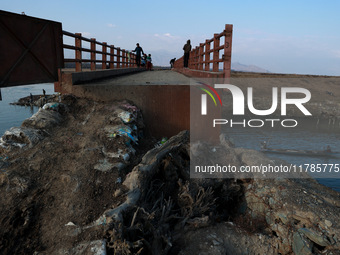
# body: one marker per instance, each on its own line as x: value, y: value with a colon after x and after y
x: 161, y: 142
x: 121, y: 130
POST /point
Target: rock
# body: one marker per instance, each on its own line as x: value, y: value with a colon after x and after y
x: 313, y: 236
x: 20, y: 137
x: 43, y: 119
x: 328, y: 223
x: 301, y: 246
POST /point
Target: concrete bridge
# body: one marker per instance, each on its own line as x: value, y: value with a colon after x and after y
x: 162, y: 94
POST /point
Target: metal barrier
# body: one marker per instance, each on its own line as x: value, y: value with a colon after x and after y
x: 117, y: 57
x: 200, y: 57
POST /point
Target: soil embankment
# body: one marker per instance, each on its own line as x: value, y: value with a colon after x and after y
x: 81, y: 177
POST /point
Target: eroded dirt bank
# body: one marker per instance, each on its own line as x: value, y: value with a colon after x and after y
x: 81, y: 177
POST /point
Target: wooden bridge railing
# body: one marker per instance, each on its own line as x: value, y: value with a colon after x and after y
x: 200, y: 57
x: 111, y: 56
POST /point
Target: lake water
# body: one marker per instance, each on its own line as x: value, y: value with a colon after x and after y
x: 13, y: 115
x: 307, y: 137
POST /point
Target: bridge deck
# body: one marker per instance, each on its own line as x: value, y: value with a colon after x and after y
x: 156, y: 77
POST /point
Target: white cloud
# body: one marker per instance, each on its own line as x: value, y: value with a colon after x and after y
x: 85, y: 34
x: 111, y: 25
x: 167, y: 36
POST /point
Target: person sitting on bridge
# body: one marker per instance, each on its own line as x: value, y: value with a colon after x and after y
x: 148, y: 62
x: 139, y: 52
x: 172, y: 62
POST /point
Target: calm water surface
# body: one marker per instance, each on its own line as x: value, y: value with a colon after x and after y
x: 12, y: 115
x: 303, y: 137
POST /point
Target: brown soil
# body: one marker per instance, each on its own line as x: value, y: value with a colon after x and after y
x: 55, y: 182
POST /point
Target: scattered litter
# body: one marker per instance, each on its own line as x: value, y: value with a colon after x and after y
x: 97, y: 247
x: 70, y: 224
x: 126, y: 116
x: 130, y: 107
x: 120, y: 130
x: 58, y: 107
x: 103, y: 165
x: 161, y: 142
x: 119, y: 180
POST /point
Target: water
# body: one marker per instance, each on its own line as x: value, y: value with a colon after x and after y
x: 305, y: 137
x: 13, y: 115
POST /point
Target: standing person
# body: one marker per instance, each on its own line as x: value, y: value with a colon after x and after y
x: 187, y: 49
x: 139, y: 52
x: 148, y: 62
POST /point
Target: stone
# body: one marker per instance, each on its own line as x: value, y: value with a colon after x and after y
x: 328, y: 223
x: 301, y: 246
x: 313, y: 236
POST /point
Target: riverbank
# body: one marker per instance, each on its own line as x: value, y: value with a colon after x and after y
x: 81, y: 175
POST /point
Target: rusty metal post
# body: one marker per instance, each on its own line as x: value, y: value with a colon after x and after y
x: 112, y: 48
x: 227, y: 50
x: 216, y: 52
x: 133, y: 60
x: 201, y: 56
x: 104, y: 51
x: 118, y: 57
x: 207, y: 55
x: 123, y: 59
x: 78, y: 51
x: 93, y: 54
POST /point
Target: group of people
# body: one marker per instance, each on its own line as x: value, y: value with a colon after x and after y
x: 142, y: 60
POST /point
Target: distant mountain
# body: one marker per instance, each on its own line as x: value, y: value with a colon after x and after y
x: 162, y: 58
x: 236, y: 66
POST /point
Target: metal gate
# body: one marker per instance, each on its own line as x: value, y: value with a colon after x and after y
x: 31, y: 50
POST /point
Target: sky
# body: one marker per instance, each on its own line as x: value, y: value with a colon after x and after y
x: 280, y: 36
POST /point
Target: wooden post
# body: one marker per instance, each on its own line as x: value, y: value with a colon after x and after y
x: 112, y: 48
x: 207, y: 55
x: 78, y: 52
x: 104, y: 55
x: 118, y: 57
x: 216, y: 52
x: 93, y: 54
x: 227, y: 50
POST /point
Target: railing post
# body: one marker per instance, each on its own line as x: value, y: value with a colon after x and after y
x: 201, y: 55
x: 78, y: 51
x: 133, y: 59
x: 104, y: 55
x: 93, y: 54
x: 118, y: 57
x: 216, y: 52
x: 207, y: 55
x: 227, y: 50
x: 123, y: 59
x: 111, y: 56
